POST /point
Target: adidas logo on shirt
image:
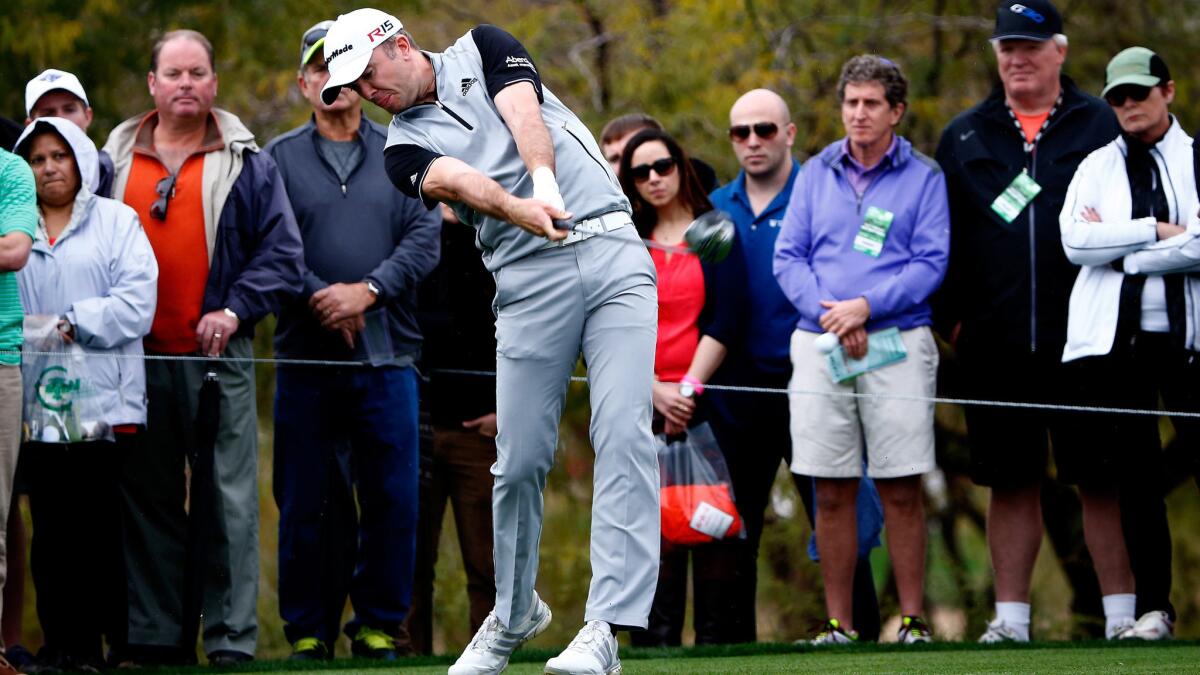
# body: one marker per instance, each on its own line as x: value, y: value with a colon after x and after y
x: 466, y: 84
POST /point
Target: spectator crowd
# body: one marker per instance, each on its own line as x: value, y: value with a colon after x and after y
x: 1048, y: 246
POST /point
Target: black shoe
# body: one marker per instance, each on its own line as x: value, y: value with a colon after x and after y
x: 370, y: 643
x: 223, y: 658
x: 148, y: 656
x: 7, y: 668
x: 310, y: 649
x: 19, y: 657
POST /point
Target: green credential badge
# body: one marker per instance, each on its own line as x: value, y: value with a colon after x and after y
x: 1016, y: 197
x: 874, y: 231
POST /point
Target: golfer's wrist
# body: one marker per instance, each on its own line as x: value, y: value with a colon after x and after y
x: 545, y: 185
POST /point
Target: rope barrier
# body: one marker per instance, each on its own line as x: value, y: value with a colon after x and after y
x: 984, y: 403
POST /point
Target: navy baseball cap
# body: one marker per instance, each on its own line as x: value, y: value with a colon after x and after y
x: 1030, y: 20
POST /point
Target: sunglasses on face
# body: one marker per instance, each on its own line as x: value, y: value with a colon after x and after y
x: 662, y: 167
x: 1116, y: 97
x: 764, y: 130
x: 166, y: 190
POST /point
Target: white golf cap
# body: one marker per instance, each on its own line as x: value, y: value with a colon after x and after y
x: 48, y: 81
x: 349, y: 43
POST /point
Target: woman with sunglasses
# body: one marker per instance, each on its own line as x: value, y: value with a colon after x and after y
x: 698, y: 318
x: 92, y: 267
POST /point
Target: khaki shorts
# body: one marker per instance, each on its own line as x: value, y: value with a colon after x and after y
x: 828, y: 431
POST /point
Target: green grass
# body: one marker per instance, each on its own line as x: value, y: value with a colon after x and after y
x: 1077, y: 657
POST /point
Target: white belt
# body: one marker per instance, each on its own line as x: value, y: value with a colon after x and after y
x: 586, y: 229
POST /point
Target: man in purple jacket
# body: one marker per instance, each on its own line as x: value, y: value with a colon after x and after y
x: 863, y: 245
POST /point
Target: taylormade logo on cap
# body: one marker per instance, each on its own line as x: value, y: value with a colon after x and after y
x: 338, y: 52
x: 349, y: 43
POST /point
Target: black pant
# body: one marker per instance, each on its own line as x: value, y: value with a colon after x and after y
x: 716, y: 614
x: 76, y: 554
x: 1139, y: 370
x: 754, y: 433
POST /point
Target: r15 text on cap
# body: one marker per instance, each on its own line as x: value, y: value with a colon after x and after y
x: 378, y: 32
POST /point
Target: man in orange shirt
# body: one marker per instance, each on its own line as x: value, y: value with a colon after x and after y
x: 218, y: 218
x: 1003, y: 306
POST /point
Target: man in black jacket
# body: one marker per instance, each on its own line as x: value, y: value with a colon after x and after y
x: 1008, y: 162
x: 366, y: 248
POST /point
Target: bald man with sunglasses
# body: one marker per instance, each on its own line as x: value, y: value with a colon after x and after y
x: 761, y: 134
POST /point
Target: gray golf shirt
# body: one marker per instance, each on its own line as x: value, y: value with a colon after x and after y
x: 464, y: 123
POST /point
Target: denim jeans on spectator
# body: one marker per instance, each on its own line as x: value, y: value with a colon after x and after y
x: 340, y: 433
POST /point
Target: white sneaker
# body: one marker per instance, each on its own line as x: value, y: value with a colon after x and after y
x: 833, y: 634
x: 1152, y: 626
x: 999, y: 631
x: 493, y: 643
x: 1118, y: 631
x: 592, y: 652
x: 914, y: 630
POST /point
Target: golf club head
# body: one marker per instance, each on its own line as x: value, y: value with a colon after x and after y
x: 710, y: 236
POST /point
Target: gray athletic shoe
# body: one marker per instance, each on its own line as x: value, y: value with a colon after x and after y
x: 493, y: 643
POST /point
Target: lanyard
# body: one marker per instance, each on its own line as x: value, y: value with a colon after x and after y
x: 1021, y: 130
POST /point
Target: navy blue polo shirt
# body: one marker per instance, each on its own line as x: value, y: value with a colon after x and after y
x: 771, y: 316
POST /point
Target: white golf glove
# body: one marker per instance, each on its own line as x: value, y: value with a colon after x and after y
x: 545, y: 188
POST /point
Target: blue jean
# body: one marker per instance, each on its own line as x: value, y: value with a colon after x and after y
x: 339, y: 434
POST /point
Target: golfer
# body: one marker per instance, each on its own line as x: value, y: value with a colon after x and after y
x: 474, y: 127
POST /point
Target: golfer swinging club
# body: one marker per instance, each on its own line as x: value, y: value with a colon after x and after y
x: 474, y: 127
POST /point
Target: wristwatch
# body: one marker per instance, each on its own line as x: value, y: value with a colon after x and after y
x: 231, y: 314
x: 372, y: 287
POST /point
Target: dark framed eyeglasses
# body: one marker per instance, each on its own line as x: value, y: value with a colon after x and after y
x: 662, y: 167
x: 166, y: 190
x: 764, y: 130
x: 1116, y: 97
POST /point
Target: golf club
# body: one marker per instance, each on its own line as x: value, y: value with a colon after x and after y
x: 708, y: 237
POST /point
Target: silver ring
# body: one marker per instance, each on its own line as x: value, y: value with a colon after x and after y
x: 217, y: 335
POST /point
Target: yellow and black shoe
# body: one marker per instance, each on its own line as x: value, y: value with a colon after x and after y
x: 834, y: 634
x: 310, y: 649
x: 370, y: 643
x: 913, y: 630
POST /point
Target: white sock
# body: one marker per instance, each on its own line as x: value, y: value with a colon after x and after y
x: 1016, y: 615
x: 1118, y: 609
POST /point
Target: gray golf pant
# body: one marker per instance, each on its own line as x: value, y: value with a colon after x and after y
x: 598, y: 296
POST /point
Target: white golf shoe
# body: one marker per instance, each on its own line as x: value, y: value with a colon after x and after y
x: 592, y: 652
x: 493, y: 643
x: 1151, y: 626
x: 999, y: 631
x: 1118, y: 630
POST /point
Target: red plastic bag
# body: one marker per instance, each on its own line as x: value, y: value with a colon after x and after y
x: 695, y: 497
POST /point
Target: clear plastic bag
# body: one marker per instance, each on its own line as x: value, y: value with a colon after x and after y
x: 61, y: 403
x: 696, y: 494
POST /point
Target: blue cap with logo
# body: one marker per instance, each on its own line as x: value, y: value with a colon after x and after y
x: 1030, y: 20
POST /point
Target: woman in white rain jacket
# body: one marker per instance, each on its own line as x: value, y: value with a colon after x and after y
x: 92, y: 267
